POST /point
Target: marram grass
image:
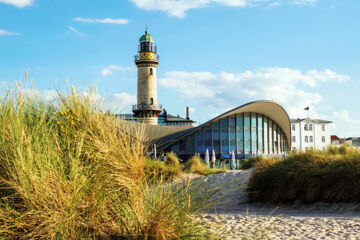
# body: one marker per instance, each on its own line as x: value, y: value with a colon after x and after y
x: 69, y: 171
x: 313, y: 176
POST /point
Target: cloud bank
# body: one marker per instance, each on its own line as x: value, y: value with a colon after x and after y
x: 7, y: 33
x: 225, y: 90
x: 178, y: 8
x: 18, y: 3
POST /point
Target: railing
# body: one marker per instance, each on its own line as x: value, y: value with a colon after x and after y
x: 144, y: 106
x: 138, y: 57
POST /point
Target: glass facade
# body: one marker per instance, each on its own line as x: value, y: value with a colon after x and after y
x: 246, y: 134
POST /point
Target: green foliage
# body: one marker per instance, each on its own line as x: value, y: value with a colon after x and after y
x: 85, y: 180
x: 196, y: 165
x: 308, y: 177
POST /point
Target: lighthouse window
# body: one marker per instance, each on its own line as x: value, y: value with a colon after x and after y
x: 151, y: 71
x: 151, y: 101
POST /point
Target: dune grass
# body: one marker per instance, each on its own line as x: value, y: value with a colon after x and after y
x: 196, y: 165
x: 69, y: 171
x: 313, y: 176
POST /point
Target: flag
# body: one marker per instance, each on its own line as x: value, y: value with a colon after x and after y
x: 307, y: 108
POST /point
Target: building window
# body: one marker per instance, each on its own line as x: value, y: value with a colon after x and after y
x: 293, y: 127
x: 306, y: 139
x: 247, y: 143
x: 151, y: 71
x: 323, y: 127
x: 310, y: 127
x: 151, y: 101
x: 323, y: 139
x: 224, y: 135
x: 253, y: 133
x: 216, y: 136
x: 293, y: 139
x: 240, y: 133
x: 305, y: 127
x: 311, y: 138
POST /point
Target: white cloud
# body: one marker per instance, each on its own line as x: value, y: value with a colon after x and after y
x: 4, y: 32
x: 227, y: 90
x: 304, y: 2
x: 77, y: 31
x: 122, y: 101
x: 178, y: 8
x: 18, y: 3
x: 111, y: 68
x: 345, y: 116
x: 105, y: 20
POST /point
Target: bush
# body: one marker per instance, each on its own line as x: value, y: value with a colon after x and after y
x: 196, y: 165
x: 155, y: 169
x: 307, y: 178
x: 172, y: 160
x: 62, y: 178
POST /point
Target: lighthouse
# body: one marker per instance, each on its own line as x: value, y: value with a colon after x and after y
x: 147, y: 108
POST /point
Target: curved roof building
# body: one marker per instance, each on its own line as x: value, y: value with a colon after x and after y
x: 255, y: 128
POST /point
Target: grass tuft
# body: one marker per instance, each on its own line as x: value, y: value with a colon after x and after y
x: 70, y: 171
x: 308, y: 177
x: 196, y: 165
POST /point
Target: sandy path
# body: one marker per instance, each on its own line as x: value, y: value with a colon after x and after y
x: 234, y: 218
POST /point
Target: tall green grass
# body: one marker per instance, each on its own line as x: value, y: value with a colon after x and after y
x: 331, y: 176
x: 69, y: 171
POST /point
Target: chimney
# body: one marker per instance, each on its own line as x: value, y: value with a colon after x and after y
x: 187, y: 113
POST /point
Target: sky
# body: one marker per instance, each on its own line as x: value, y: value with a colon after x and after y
x: 214, y: 54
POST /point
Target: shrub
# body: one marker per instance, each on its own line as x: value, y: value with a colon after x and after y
x: 172, y: 160
x: 307, y: 177
x: 85, y: 180
x: 155, y: 169
x: 196, y: 165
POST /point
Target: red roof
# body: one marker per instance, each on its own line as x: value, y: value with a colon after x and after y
x: 334, y: 137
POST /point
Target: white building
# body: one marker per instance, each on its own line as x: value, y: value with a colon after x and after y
x: 310, y: 133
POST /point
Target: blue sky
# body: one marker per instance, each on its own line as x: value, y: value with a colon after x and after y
x: 214, y: 54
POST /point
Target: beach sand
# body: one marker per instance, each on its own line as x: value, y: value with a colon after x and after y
x: 234, y: 218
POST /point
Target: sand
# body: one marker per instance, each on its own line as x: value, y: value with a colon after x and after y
x: 234, y: 218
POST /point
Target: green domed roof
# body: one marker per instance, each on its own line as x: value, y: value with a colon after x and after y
x: 146, y: 37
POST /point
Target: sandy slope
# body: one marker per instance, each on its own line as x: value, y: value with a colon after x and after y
x: 236, y: 219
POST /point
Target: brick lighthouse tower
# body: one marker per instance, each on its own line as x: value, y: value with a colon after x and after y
x: 147, y: 110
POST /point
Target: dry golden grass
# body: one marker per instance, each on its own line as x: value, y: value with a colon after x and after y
x: 69, y: 171
x: 308, y: 177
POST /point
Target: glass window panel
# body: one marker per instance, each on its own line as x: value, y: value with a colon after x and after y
x: 253, y: 133
x: 208, y: 137
x: 224, y: 137
x: 240, y: 133
x: 266, y: 135
x: 231, y: 122
x: 190, y: 144
x: 275, y: 138
x: 247, y: 132
x: 279, y: 140
x: 182, y: 146
x: 260, y: 133
x: 232, y: 131
x: 271, y: 142
x: 199, y: 141
x: 175, y: 148
x: 216, y: 136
